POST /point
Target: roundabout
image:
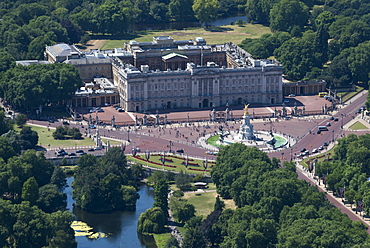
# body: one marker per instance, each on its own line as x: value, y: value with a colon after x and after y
x: 246, y: 135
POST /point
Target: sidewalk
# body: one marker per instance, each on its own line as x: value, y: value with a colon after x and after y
x: 320, y: 185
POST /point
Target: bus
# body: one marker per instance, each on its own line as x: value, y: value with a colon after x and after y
x: 322, y: 128
x: 322, y: 94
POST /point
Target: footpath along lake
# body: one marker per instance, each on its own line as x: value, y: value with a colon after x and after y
x: 120, y: 226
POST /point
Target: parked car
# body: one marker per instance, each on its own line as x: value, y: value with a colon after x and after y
x: 318, y: 131
x: 292, y: 95
x: 91, y: 150
x: 97, y: 148
x: 303, y: 149
x: 331, y: 118
x: 325, y: 143
x: 315, y: 150
x: 79, y: 151
x: 328, y: 124
x: 286, y: 100
x: 180, y: 151
x: 321, y: 148
x: 72, y: 154
x: 83, y: 153
x: 65, y: 123
x: 336, y: 119
x: 60, y: 151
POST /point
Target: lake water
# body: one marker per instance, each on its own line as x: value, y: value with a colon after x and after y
x: 121, y: 225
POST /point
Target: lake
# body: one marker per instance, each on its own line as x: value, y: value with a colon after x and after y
x: 120, y: 225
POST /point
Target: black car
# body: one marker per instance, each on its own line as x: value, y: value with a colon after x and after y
x: 318, y: 131
x: 325, y: 143
x: 91, y: 150
x: 79, y: 151
x: 65, y: 123
x: 72, y: 154
x: 331, y: 118
x: 303, y: 149
x: 180, y: 151
x: 336, y: 119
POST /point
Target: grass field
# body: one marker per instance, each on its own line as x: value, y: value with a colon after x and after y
x: 358, y: 125
x: 161, y: 239
x: 176, y: 164
x: 219, y: 35
x: 204, y: 202
x: 348, y: 95
x: 46, y: 139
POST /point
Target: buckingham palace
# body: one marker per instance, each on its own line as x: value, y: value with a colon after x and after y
x: 168, y: 74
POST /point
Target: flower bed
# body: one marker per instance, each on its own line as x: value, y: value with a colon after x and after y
x: 191, y: 164
x: 151, y: 162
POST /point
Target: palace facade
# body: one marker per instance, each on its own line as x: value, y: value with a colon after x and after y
x: 168, y: 74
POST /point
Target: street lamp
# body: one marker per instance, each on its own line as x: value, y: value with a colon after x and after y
x: 341, y: 127
x: 128, y: 135
x: 333, y: 136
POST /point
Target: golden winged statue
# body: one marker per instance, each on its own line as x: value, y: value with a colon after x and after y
x: 246, y: 109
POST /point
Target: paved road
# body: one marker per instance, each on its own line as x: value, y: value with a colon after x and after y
x: 313, y: 140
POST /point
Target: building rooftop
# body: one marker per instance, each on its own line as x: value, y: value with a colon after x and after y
x: 62, y: 50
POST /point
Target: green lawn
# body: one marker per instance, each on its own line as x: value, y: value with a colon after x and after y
x: 358, y: 125
x: 219, y: 35
x: 176, y: 162
x: 46, y: 139
x: 348, y: 95
x: 204, y: 202
x: 161, y: 239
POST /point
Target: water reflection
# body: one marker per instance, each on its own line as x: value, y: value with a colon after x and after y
x: 119, y: 226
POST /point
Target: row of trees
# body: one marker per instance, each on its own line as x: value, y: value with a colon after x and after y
x: 274, y: 208
x: 348, y: 170
x: 104, y: 184
x: 314, y: 42
x: 64, y: 132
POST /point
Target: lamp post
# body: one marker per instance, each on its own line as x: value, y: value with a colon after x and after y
x: 341, y: 127
x: 171, y: 146
x: 128, y: 135
x: 333, y: 136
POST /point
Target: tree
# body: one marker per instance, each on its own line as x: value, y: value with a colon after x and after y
x: 7, y: 61
x: 287, y: 14
x: 152, y: 221
x: 296, y: 56
x: 259, y: 11
x: 20, y: 120
x: 186, y: 212
x: 160, y: 196
x: 51, y: 199
x: 181, y: 10
x: 28, y: 137
x: 193, y: 238
x: 219, y: 204
x: 206, y: 10
x: 172, y: 243
x: 30, y: 191
x: 58, y: 178
x: 6, y: 150
x: 183, y: 181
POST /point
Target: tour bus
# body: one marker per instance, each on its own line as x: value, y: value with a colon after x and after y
x: 322, y: 128
x: 322, y: 94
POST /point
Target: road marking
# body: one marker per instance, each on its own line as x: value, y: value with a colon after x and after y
x: 270, y: 109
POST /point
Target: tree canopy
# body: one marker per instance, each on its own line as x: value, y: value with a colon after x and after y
x: 104, y: 184
x: 27, y: 87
